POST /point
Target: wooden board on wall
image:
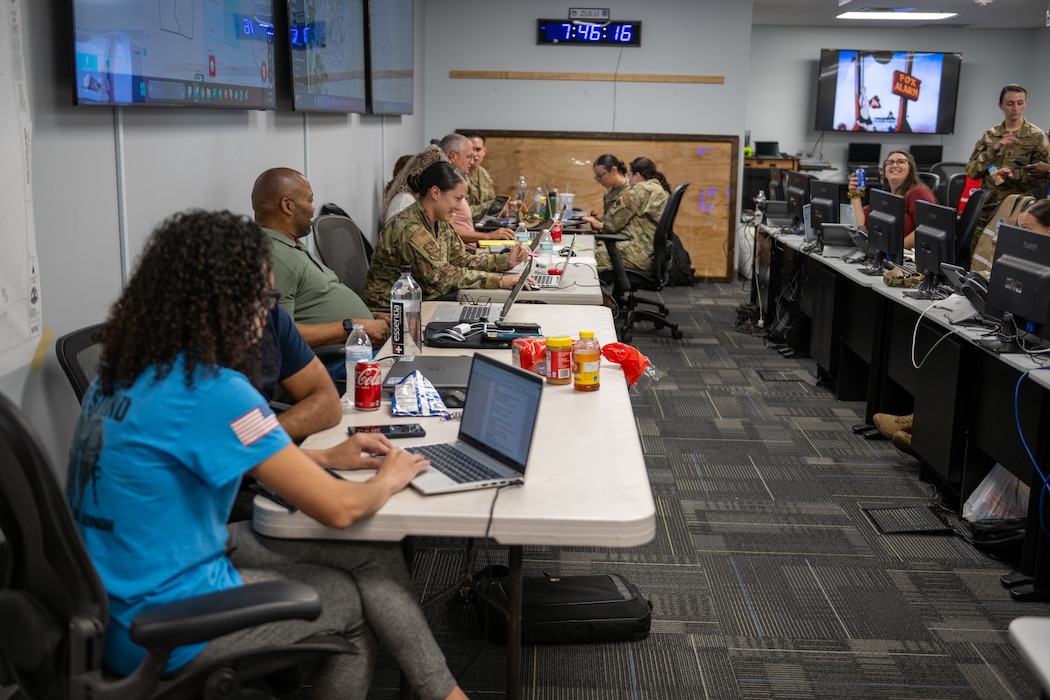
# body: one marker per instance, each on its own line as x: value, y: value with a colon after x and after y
x: 564, y: 160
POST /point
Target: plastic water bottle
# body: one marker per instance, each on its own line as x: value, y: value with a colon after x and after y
x: 539, y: 201
x: 358, y: 347
x: 523, y: 188
x: 546, y: 251
x: 521, y: 234
x: 406, y: 305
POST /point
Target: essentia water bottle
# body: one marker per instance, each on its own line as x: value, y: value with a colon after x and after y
x: 406, y: 303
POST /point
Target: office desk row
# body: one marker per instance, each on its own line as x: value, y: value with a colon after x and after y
x: 579, y: 283
x: 586, y: 482
x: 900, y: 355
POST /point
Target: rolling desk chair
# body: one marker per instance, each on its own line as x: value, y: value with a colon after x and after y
x: 79, y: 355
x: 945, y: 170
x: 966, y: 225
x: 55, y: 609
x: 628, y: 282
x: 933, y: 181
x: 342, y: 247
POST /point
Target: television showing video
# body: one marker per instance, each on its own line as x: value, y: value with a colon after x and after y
x: 174, y: 53
x: 328, y: 55
x: 910, y: 92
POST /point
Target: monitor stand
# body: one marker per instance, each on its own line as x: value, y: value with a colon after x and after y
x: 927, y: 289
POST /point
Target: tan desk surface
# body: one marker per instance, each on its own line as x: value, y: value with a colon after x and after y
x: 586, y: 482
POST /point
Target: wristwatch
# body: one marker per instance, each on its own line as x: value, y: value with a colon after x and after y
x: 348, y: 325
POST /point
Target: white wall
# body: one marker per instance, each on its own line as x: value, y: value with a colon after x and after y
x: 681, y: 37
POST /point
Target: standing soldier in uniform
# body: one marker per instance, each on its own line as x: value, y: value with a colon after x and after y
x: 421, y: 237
x: 1017, y: 147
x: 480, y: 190
x: 633, y: 204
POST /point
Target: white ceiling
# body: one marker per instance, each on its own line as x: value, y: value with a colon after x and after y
x: 996, y: 14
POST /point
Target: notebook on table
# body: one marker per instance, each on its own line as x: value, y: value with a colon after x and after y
x: 495, y: 432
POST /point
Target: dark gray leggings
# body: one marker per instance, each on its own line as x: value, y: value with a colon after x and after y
x: 358, y: 582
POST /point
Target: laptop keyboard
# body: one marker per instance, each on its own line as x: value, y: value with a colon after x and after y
x: 474, y: 312
x: 547, y: 280
x: 454, y: 464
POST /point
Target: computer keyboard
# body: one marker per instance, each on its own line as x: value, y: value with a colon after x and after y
x: 474, y: 312
x: 454, y: 464
x: 547, y: 281
x: 814, y: 164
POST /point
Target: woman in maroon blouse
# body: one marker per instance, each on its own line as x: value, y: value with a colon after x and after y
x: 902, y: 178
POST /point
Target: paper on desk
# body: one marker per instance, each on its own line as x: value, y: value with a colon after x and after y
x: 416, y: 396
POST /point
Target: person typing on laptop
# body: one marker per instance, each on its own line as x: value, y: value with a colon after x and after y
x: 167, y: 429
x: 422, y: 238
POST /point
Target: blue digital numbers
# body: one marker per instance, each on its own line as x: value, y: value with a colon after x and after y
x: 253, y: 28
x: 584, y: 33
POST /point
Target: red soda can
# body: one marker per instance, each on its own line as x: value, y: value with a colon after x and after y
x: 556, y: 232
x: 368, y: 387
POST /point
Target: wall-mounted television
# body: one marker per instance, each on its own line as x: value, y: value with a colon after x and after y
x: 175, y: 53
x: 327, y: 40
x: 390, y: 56
x: 908, y: 92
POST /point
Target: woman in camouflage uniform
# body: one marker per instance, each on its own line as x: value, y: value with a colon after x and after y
x: 422, y: 237
x: 1017, y: 147
x: 633, y: 203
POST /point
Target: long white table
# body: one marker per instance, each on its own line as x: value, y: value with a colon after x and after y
x: 585, y: 484
x: 580, y: 284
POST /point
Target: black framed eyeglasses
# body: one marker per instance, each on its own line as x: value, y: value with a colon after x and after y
x: 895, y: 161
x: 599, y: 176
x: 270, y: 298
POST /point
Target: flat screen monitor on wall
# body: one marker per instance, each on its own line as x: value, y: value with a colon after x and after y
x: 327, y: 40
x: 390, y: 56
x: 174, y: 54
x: 908, y: 92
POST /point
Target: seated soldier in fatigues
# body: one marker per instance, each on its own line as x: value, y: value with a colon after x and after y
x: 480, y: 190
x: 633, y: 204
x: 422, y: 238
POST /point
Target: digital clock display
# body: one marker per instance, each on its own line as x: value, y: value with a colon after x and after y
x: 554, y: 31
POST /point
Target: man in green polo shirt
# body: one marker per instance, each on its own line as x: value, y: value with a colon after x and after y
x: 324, y: 309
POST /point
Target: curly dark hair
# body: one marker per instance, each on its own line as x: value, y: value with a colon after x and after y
x: 197, y: 291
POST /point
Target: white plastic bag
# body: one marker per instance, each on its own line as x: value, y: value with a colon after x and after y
x: 1000, y: 496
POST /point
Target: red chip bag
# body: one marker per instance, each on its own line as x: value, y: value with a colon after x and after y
x: 633, y: 362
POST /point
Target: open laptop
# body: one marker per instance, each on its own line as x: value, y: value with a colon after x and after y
x: 445, y: 372
x: 495, y: 433
x: 548, y: 281
x: 491, y: 215
x: 473, y: 313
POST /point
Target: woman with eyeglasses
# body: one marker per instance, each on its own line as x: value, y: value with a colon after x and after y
x: 167, y: 429
x: 901, y: 177
x: 633, y: 202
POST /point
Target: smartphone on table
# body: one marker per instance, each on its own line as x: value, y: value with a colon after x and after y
x: 391, y: 430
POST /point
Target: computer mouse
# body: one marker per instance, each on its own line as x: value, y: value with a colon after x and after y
x: 454, y: 398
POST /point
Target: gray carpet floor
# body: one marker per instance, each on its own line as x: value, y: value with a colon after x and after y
x: 769, y: 577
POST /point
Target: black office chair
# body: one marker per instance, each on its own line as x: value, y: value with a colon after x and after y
x: 342, y: 247
x: 55, y: 611
x: 933, y: 181
x: 79, y: 355
x: 966, y: 227
x: 954, y: 188
x: 628, y: 282
x: 945, y: 170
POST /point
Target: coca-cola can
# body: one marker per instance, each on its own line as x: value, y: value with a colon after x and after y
x: 368, y: 386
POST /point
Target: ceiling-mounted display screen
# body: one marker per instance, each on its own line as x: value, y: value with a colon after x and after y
x: 390, y: 56
x: 908, y: 92
x: 327, y: 40
x: 174, y: 53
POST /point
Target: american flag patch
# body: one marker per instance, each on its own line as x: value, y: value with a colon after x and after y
x: 254, y: 425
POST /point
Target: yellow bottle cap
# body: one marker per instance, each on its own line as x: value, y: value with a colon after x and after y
x: 586, y: 334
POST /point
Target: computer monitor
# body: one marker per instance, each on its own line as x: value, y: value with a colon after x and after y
x: 926, y: 155
x: 863, y: 153
x: 823, y: 203
x: 934, y: 244
x: 886, y: 227
x: 1020, y: 283
x: 796, y: 192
